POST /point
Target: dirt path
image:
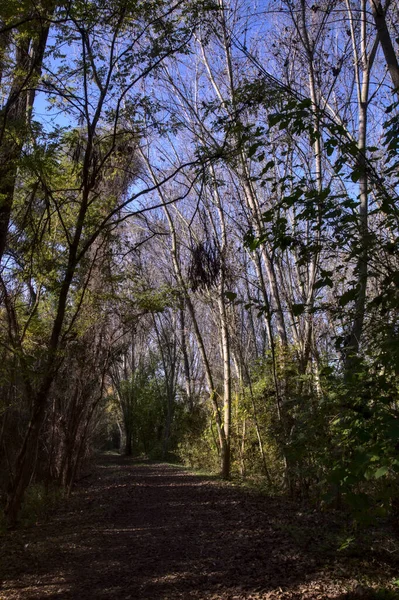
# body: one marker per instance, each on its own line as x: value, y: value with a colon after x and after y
x: 153, y: 531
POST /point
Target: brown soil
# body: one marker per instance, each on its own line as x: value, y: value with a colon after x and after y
x: 153, y: 531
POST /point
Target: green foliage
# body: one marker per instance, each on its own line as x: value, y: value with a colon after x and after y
x: 339, y: 433
x: 341, y: 442
x: 365, y: 464
x: 257, y: 407
x: 39, y: 501
x: 197, y: 446
x: 155, y: 300
x: 141, y: 401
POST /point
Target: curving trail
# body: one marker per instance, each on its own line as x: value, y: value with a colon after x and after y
x: 157, y: 532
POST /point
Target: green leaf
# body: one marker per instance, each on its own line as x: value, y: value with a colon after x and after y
x: 252, y: 149
x: 298, y: 309
x: 274, y: 119
x: 230, y: 295
x: 392, y: 430
x: 355, y: 175
x: 268, y: 216
x: 347, y: 297
x: 346, y: 543
x: 268, y: 165
x: 380, y: 472
x: 320, y: 283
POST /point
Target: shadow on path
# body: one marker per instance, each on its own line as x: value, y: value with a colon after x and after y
x: 153, y: 531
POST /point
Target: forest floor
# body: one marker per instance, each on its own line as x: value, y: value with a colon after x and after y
x: 143, y: 530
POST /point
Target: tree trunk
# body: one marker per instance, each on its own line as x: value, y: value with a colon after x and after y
x: 16, y: 115
x: 24, y: 465
x: 129, y: 442
x: 363, y: 66
x: 386, y: 42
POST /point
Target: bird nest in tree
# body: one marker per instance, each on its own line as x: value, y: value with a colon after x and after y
x: 205, y: 266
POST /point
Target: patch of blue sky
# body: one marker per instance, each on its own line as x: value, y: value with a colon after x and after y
x: 50, y: 117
